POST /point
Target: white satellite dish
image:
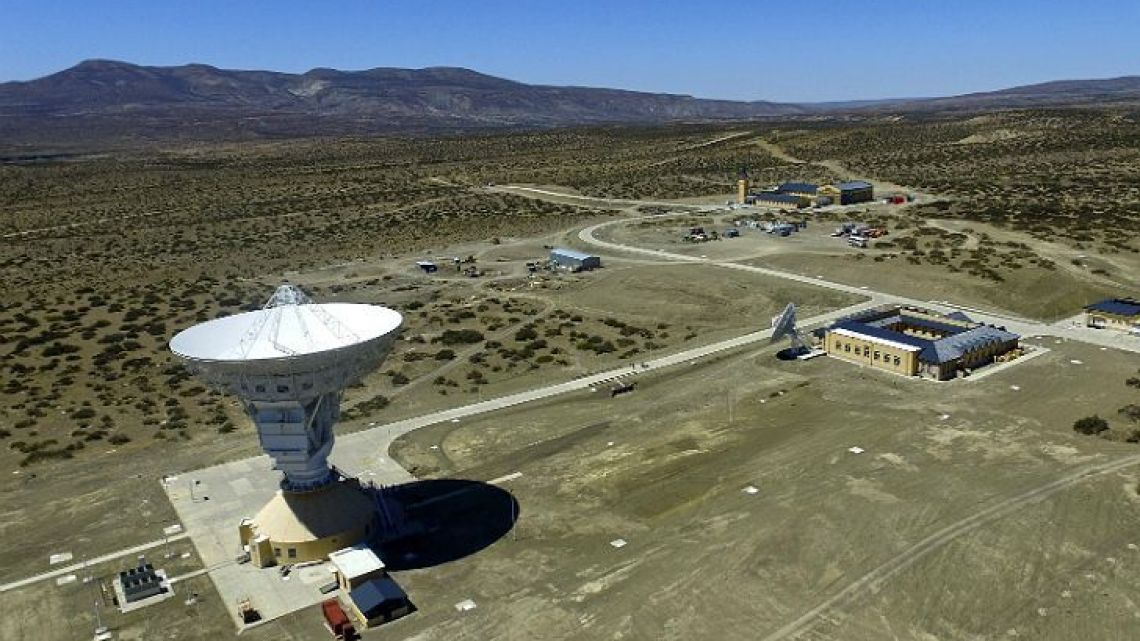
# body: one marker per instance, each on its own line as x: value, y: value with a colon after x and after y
x: 288, y: 363
x: 784, y: 325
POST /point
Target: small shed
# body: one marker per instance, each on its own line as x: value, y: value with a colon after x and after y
x: 428, y: 266
x: 355, y: 566
x: 377, y: 601
x: 855, y: 191
x: 574, y: 260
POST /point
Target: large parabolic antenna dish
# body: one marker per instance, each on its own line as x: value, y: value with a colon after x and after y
x: 288, y: 362
x: 784, y: 325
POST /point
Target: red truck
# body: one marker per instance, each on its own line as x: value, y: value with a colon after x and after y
x: 336, y: 620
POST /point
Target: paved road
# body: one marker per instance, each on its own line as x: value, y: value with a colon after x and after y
x: 74, y: 567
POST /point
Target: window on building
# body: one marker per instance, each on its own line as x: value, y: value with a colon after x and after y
x: 847, y: 347
x: 898, y: 361
x: 292, y: 553
x: 281, y: 389
x: 876, y: 354
x: 866, y: 351
x: 276, y: 551
x: 260, y: 388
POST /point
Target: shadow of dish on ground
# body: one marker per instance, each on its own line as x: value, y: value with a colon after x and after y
x: 443, y: 520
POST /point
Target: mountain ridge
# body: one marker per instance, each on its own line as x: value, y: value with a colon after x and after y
x: 109, y: 100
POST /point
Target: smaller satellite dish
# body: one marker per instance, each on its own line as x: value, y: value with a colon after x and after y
x: 784, y: 325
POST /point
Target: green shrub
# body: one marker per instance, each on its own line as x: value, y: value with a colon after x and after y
x: 1091, y: 425
x: 460, y: 337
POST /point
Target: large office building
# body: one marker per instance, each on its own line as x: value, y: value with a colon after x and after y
x: 1122, y: 314
x: 803, y: 194
x: 917, y: 342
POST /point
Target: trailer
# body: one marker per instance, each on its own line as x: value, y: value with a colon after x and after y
x: 622, y: 388
x: 336, y: 620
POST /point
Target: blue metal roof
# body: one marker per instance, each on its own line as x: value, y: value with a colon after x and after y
x: 807, y: 188
x: 779, y: 198
x: 371, y: 594
x: 954, y: 347
x: 854, y: 184
x: 572, y: 254
x: 1118, y: 306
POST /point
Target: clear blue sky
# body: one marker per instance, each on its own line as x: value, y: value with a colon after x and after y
x: 789, y: 51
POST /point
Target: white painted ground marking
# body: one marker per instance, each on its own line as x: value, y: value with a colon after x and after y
x: 172, y: 529
x: 1076, y: 362
x: 465, y: 605
x: 454, y: 420
x: 64, y: 580
x: 59, y: 558
x: 856, y: 450
x: 618, y: 543
x: 503, y: 479
x: 1015, y: 387
x: 751, y: 489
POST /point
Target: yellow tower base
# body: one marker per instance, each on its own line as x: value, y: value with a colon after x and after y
x: 295, y: 527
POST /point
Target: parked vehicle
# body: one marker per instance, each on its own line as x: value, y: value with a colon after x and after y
x: 336, y: 620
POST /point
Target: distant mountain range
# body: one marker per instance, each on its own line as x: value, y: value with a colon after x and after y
x: 102, y: 101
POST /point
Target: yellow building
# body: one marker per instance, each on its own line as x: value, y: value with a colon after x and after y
x: 1120, y: 314
x: 873, y: 351
x: 917, y: 342
x: 742, y: 191
x: 295, y: 527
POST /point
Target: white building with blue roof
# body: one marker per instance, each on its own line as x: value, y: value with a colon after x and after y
x: 1121, y: 314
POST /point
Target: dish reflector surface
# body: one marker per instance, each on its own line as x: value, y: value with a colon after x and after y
x: 285, y: 331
